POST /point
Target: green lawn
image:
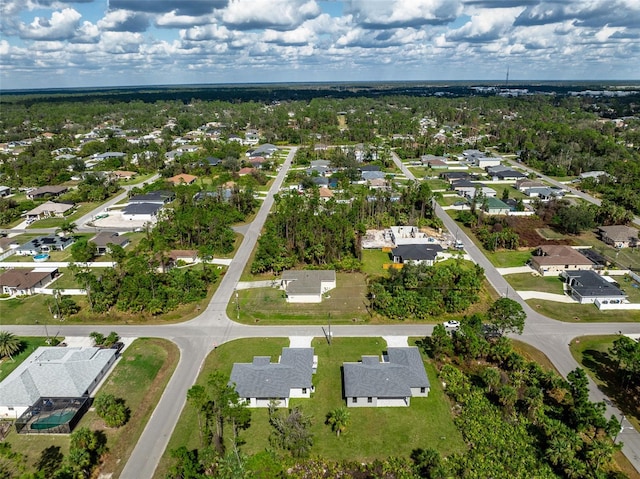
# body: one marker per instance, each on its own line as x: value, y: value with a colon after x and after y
x: 345, y: 304
x: 626, y: 257
x: 506, y: 258
x: 140, y: 378
x: 530, y: 282
x: 427, y: 423
x: 372, y: 261
x: 573, y: 313
x: 550, y: 234
x: 31, y: 343
x: 592, y: 353
x: 65, y: 280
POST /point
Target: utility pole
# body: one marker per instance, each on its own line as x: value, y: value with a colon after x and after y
x: 329, y: 328
x: 237, y: 306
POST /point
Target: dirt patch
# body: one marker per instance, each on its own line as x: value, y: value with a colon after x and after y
x: 527, y: 227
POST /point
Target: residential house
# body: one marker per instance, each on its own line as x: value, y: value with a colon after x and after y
x: 307, y: 286
x: 508, y: 175
x: 4, y: 191
x: 551, y: 260
x: 267, y: 150
x: 159, y: 197
x: 105, y: 238
x: 257, y: 161
x: 485, y: 161
x: 494, y: 206
x: 123, y: 175
x: 526, y: 183
x: 46, y: 192
x: 416, y: 253
x: 212, y: 161
x: 469, y: 189
x: 7, y: 244
x: 50, y: 209
x: 320, y: 181
x: 109, y: 154
x: 44, y: 244
x: 369, y: 175
x: 19, y: 281
x: 141, y: 211
x: 543, y: 193
x: 262, y: 382
x: 619, y: 236
x: 325, y: 193
x: 452, y: 176
x: 434, y: 163
x: 593, y: 174
x: 389, y: 382
x: 54, y: 372
x: 182, y: 179
x: 589, y: 287
x: 246, y: 171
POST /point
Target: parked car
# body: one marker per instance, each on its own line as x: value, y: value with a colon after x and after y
x: 451, y: 325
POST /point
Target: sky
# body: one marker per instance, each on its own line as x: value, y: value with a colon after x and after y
x: 90, y: 43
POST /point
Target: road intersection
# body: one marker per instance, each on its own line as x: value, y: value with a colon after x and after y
x: 198, y: 337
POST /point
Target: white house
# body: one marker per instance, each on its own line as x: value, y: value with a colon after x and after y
x: 390, y: 382
x: 261, y: 381
x: 54, y: 372
x: 307, y: 286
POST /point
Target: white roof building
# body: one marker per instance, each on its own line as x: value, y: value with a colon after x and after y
x: 54, y: 372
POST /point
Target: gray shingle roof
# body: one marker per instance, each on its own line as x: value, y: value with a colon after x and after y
x: 307, y: 281
x: 417, y: 252
x: 395, y: 378
x: 54, y: 372
x: 142, y: 209
x: 264, y: 379
x: 589, y: 284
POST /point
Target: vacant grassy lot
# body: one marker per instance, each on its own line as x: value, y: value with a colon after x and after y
x: 344, y: 304
x: 30, y: 345
x: 530, y: 282
x: 139, y: 378
x: 65, y: 280
x: 506, y: 258
x: 575, y: 313
x: 592, y: 353
x: 373, y: 261
x: 550, y: 234
x: 372, y: 432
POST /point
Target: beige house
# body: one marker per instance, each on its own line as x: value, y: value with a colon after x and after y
x: 619, y: 236
x: 551, y: 260
x: 25, y: 281
x: 50, y: 209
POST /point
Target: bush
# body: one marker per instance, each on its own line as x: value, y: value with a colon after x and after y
x: 112, y: 410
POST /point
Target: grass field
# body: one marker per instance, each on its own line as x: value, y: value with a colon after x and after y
x: 575, y: 313
x: 140, y: 378
x: 530, y: 282
x: 373, y: 261
x: 427, y: 423
x: 549, y: 234
x: 345, y: 304
x: 31, y: 343
x: 506, y: 258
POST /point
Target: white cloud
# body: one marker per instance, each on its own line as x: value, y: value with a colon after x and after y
x: 404, y: 13
x: 60, y: 26
x: 275, y: 14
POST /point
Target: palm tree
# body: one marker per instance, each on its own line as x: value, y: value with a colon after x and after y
x: 9, y: 344
x: 338, y: 419
x: 67, y: 227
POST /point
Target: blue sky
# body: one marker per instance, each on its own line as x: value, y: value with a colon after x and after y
x: 79, y: 43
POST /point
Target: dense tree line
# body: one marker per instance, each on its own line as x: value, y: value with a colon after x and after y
x: 421, y: 291
x: 518, y: 419
x: 304, y: 230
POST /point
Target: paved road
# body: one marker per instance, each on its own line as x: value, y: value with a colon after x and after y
x: 549, y: 336
x: 196, y: 338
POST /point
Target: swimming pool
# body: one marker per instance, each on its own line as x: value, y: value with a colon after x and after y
x: 39, y: 258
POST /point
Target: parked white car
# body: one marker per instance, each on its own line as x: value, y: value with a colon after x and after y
x: 451, y: 325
